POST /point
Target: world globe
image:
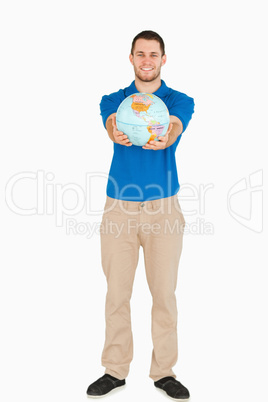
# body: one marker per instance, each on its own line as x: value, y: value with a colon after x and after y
x: 142, y: 117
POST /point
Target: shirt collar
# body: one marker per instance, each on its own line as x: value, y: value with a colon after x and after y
x: 161, y: 92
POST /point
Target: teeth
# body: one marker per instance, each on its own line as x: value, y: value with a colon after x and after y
x: 146, y: 69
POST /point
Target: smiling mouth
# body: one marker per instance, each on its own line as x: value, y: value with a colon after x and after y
x: 146, y: 68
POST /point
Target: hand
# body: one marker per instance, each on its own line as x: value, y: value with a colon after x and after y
x: 162, y: 143
x: 119, y: 136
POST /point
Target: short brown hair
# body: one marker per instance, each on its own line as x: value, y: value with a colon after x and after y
x: 149, y: 35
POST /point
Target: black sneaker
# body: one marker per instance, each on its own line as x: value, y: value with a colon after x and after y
x: 173, y: 388
x: 104, y: 385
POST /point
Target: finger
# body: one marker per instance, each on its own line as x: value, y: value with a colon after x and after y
x: 125, y: 142
x: 149, y: 146
x: 120, y: 134
x: 162, y: 141
x: 156, y: 145
x: 152, y: 143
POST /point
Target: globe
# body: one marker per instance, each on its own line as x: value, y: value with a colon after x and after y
x: 142, y: 117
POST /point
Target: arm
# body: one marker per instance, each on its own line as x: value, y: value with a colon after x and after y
x: 116, y: 136
x: 174, y: 130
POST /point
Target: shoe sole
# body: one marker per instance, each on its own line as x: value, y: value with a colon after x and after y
x: 113, y: 391
x: 170, y: 397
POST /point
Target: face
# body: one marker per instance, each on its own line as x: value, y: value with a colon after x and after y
x: 147, y: 60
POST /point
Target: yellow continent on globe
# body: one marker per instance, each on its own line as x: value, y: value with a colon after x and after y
x: 153, y: 136
x: 140, y: 107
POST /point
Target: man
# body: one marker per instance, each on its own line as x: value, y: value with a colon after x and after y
x: 142, y: 209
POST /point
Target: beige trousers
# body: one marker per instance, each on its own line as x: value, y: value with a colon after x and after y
x: 157, y: 226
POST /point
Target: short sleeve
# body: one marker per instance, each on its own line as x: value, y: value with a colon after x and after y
x: 182, y: 106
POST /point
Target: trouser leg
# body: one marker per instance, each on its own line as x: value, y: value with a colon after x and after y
x: 162, y: 254
x: 120, y: 252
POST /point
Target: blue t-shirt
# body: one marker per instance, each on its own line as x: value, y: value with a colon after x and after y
x: 138, y: 174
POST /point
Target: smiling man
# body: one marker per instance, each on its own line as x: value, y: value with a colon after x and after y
x: 147, y: 59
x: 142, y: 200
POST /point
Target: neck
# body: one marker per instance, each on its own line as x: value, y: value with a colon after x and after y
x: 147, y: 87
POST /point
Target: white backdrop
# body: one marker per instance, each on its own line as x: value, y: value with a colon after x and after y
x: 57, y: 60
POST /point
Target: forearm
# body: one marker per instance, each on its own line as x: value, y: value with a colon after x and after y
x: 174, y: 133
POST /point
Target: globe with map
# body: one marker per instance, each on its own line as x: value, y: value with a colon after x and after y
x: 142, y: 117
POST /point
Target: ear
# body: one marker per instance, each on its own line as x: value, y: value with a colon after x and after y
x: 131, y: 58
x: 164, y: 59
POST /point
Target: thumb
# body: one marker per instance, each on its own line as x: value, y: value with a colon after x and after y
x: 113, y: 121
x: 169, y: 128
x: 162, y: 137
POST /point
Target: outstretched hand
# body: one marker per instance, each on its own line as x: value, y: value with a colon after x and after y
x: 161, y: 144
x: 119, y: 136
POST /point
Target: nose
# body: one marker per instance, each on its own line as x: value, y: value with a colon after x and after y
x: 147, y: 59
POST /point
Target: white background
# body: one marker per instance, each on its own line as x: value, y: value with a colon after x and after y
x: 57, y: 60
